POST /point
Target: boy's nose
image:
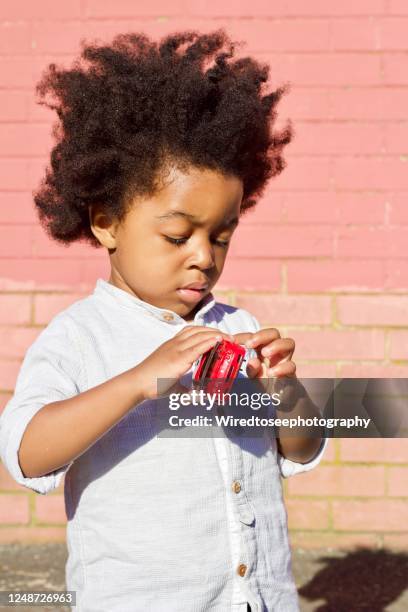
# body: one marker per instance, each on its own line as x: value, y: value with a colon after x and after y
x: 204, y: 257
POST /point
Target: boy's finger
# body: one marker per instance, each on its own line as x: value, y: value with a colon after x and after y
x: 287, y: 368
x: 262, y: 337
x: 242, y: 337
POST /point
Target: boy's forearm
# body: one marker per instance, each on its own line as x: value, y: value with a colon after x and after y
x: 298, y: 447
x: 62, y: 431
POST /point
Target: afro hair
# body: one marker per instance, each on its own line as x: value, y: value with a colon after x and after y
x: 128, y: 108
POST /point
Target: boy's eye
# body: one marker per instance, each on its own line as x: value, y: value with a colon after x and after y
x: 176, y: 241
x: 181, y: 241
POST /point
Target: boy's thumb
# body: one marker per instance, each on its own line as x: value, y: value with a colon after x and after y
x: 253, y: 367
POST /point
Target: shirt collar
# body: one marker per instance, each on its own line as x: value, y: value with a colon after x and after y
x: 105, y: 289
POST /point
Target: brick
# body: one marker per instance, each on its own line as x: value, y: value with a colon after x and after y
x: 16, y: 72
x: 372, y: 242
x: 396, y: 135
x: 392, y: 33
x: 91, y: 269
x: 325, y: 69
x: 43, y: 246
x: 396, y: 275
x: 372, y: 311
x: 268, y: 210
x: 32, y: 535
x: 356, y: 208
x: 310, y: 514
x: 354, y: 34
x: 9, y: 370
x: 340, y: 481
x: 15, y: 309
x: 42, y: 9
x: 395, y: 70
x: 36, y: 171
x: 398, y: 481
x: 304, y: 103
x: 329, y: 453
x: 25, y: 139
x: 280, y: 35
x: 283, y: 8
x: 258, y: 241
x: 367, y: 104
x: 56, y: 38
x: 250, y: 274
x: 37, y: 112
x: 50, y: 509
x: 46, y: 274
x: 14, y: 509
x: 397, y: 7
x: 335, y: 275
x: 370, y: 173
x: 331, y: 208
x: 399, y: 208
x: 381, y: 450
x: 337, y: 139
x: 333, y: 344
x: 333, y: 541
x: 14, y: 341
x: 13, y: 106
x: 315, y: 370
x: 317, y: 208
x: 303, y: 174
x: 399, y: 344
x: 370, y: 515
x: 396, y: 542
x: 14, y: 175
x: 17, y: 208
x: 16, y: 241
x: 15, y: 38
x: 7, y: 483
x: 128, y: 8
x: 48, y: 305
x: 357, y: 370
x: 283, y: 310
x: 222, y: 296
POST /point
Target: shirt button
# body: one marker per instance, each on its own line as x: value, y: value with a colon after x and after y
x: 236, y: 487
x: 242, y: 569
x: 168, y: 317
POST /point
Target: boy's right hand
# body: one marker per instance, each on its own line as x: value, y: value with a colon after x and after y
x: 175, y: 357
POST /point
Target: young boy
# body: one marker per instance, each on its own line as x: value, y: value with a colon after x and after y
x: 156, y: 159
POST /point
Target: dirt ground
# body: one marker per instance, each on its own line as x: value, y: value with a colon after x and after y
x: 327, y: 580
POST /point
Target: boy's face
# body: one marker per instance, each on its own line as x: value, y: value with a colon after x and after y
x: 199, y: 209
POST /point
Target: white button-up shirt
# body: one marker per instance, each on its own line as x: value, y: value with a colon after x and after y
x: 155, y: 523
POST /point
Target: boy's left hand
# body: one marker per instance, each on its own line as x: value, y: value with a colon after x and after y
x: 274, y: 354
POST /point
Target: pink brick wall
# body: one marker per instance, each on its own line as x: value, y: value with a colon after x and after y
x: 323, y: 257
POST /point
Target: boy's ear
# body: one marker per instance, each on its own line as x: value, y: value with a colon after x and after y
x: 102, y: 226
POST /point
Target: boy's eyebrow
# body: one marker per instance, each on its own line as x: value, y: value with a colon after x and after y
x: 178, y: 213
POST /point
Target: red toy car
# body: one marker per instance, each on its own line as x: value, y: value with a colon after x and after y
x: 219, y: 367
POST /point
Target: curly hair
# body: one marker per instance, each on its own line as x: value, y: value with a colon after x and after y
x: 128, y: 108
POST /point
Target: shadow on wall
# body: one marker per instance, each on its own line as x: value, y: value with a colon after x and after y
x: 363, y: 579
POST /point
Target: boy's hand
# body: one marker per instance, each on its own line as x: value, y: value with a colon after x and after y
x: 274, y: 354
x: 175, y: 357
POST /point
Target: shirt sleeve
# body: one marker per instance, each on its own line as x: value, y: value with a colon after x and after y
x: 287, y: 467
x: 51, y: 371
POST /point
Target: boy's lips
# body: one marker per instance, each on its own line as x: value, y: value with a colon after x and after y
x: 192, y: 294
x: 199, y: 286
